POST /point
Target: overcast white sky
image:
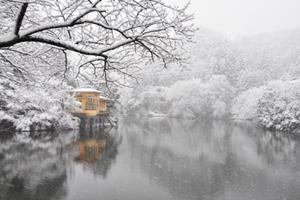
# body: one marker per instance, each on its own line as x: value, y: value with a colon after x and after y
x: 241, y: 17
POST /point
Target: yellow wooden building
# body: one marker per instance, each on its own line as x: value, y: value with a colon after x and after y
x: 92, y: 103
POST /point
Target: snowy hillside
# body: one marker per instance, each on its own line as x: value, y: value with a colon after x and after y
x: 246, y: 69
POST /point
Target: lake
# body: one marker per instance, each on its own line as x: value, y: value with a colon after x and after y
x: 152, y: 159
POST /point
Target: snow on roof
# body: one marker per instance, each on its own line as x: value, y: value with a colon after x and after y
x: 85, y: 90
x: 104, y: 98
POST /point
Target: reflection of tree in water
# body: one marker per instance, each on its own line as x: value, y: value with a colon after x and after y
x: 33, y: 167
x: 37, y: 166
x: 227, y: 163
x: 187, y: 176
x: 98, y: 149
x: 49, y: 188
x: 277, y: 147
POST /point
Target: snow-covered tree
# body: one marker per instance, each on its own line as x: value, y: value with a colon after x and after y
x: 112, y: 35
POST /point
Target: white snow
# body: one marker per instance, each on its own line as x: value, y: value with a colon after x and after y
x: 7, y: 37
x: 188, y: 99
x: 105, y: 98
x: 85, y: 90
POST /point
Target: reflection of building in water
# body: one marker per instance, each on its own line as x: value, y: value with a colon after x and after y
x: 96, y: 148
x: 39, y: 167
x: 90, y: 150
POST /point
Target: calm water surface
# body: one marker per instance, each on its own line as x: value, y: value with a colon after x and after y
x: 152, y: 159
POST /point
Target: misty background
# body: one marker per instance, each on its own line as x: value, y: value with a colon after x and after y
x: 244, y: 17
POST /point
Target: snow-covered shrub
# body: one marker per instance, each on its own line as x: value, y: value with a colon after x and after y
x: 149, y: 102
x: 276, y: 105
x: 245, y: 105
x: 220, y: 109
x: 195, y: 98
x: 279, y: 108
x: 251, y: 78
x: 6, y: 123
x: 31, y: 108
x: 187, y: 99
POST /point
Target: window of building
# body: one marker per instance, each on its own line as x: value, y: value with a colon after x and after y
x: 91, y: 103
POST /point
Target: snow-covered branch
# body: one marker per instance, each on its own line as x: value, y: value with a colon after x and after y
x: 109, y: 30
x: 74, y: 47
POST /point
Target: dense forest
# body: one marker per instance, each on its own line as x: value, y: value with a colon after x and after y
x: 246, y: 78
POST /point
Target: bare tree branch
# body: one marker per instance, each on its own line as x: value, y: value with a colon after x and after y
x: 19, y: 19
